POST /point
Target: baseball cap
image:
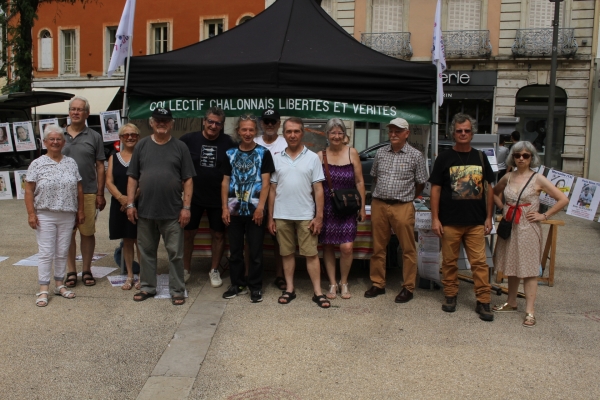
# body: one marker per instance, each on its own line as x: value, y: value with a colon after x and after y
x: 399, y: 122
x: 163, y: 113
x: 270, y: 113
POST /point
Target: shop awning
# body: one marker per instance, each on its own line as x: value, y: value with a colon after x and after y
x: 99, y: 98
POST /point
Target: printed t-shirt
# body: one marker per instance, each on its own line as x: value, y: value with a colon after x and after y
x: 86, y: 148
x: 207, y: 157
x: 460, y: 175
x: 276, y: 147
x: 55, y: 184
x: 294, y: 179
x: 160, y: 171
x: 245, y: 169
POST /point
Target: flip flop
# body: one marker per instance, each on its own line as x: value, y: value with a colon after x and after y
x: 141, y: 296
x: 86, y: 280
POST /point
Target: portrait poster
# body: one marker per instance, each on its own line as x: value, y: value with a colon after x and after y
x: 491, y: 156
x: 20, y: 183
x: 5, y: 138
x: 110, y: 122
x: 23, y: 136
x: 5, y: 188
x: 584, y: 200
x: 562, y: 181
x: 43, y: 124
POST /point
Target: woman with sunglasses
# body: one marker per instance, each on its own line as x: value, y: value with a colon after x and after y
x: 119, y: 226
x: 519, y: 256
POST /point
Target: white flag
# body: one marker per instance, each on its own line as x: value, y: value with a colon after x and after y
x: 124, y: 37
x: 438, y: 53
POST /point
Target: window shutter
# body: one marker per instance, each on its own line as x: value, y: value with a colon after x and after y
x: 46, y: 53
x: 464, y: 15
x: 541, y: 13
x: 387, y: 16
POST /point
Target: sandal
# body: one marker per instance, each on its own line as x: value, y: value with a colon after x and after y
x: 128, y: 284
x: 178, y: 301
x: 529, y: 321
x: 141, y: 296
x: 138, y: 284
x: 321, y: 301
x: 67, y: 294
x: 332, y: 294
x: 42, y: 301
x: 71, y: 282
x: 344, y: 291
x: 504, y: 308
x: 280, y: 283
x: 86, y: 281
x: 286, y: 297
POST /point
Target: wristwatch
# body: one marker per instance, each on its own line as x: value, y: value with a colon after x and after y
x: 130, y: 205
x: 187, y: 208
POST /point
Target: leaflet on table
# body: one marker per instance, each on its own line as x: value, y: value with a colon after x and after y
x: 562, y: 181
x: 584, y: 200
x: 428, y: 263
x: 491, y: 156
x: 5, y: 187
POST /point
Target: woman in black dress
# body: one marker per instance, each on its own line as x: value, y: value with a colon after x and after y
x: 116, y: 183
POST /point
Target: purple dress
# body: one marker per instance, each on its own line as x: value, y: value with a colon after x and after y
x: 337, y: 229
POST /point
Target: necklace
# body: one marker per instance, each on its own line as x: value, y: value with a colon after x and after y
x: 460, y: 158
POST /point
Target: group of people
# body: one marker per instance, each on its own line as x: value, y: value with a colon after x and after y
x: 271, y: 184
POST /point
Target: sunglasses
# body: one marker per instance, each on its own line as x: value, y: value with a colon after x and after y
x: 463, y: 130
x: 248, y: 117
x: 216, y: 123
x: 269, y: 121
x: 129, y: 135
x: 526, y: 156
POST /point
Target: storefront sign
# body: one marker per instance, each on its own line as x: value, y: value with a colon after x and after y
x: 470, y: 78
x: 294, y: 107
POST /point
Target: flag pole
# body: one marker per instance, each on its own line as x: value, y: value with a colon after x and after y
x: 125, y: 113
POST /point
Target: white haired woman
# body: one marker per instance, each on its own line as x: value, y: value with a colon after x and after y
x: 54, y: 202
x: 519, y: 256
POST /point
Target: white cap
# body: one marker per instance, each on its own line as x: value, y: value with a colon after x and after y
x: 399, y: 122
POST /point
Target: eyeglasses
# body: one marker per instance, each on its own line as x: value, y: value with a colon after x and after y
x: 526, y: 156
x: 130, y: 135
x: 54, y: 139
x: 462, y: 130
x: 215, y: 123
x: 248, y: 117
x: 336, y: 133
x: 270, y: 121
x: 73, y: 109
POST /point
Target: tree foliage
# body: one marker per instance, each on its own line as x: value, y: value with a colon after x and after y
x: 18, y: 18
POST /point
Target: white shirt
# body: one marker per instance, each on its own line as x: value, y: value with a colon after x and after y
x: 55, y: 184
x: 294, y: 179
x: 276, y: 147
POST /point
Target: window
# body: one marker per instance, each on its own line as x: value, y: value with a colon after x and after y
x: 367, y: 134
x: 212, y: 28
x: 69, y: 52
x: 160, y: 38
x: 245, y: 18
x: 110, y: 40
x: 541, y: 14
x: 387, y: 16
x: 464, y: 15
x: 45, y: 55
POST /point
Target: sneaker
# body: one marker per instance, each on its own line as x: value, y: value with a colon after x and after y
x: 450, y: 304
x: 242, y: 290
x: 186, y: 275
x: 483, y: 309
x: 215, y: 278
x: 231, y: 292
x: 256, y: 296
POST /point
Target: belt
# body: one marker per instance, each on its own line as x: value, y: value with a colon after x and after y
x: 391, y: 201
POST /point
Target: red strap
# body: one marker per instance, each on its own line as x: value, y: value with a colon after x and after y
x: 517, y: 211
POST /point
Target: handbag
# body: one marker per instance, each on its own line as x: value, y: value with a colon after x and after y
x: 505, y: 226
x: 345, y: 201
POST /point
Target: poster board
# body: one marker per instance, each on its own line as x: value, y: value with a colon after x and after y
x: 5, y: 188
x: 419, y: 139
x: 584, y: 199
x: 23, y: 136
x: 491, y: 156
x: 110, y: 122
x: 5, y: 138
x: 42, y: 125
x: 562, y: 181
x: 20, y: 183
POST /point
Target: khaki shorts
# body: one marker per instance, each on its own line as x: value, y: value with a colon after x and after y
x: 287, y: 232
x: 89, y: 209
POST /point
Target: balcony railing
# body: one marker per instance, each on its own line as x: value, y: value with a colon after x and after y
x: 70, y: 66
x: 538, y: 43
x: 393, y: 44
x: 467, y: 44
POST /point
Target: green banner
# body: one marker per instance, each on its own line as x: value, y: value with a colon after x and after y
x: 183, y: 107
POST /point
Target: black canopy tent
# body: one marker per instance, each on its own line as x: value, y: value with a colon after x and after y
x: 292, y: 49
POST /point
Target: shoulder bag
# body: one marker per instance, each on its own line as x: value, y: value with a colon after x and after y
x: 505, y: 226
x: 345, y: 201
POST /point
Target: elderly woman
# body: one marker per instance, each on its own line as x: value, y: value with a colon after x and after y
x: 346, y: 173
x: 519, y: 256
x: 119, y: 227
x: 54, y: 201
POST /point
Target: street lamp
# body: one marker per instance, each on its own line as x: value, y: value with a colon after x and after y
x: 550, y: 120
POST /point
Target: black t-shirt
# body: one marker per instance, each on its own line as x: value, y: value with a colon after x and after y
x: 460, y: 174
x: 207, y: 156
